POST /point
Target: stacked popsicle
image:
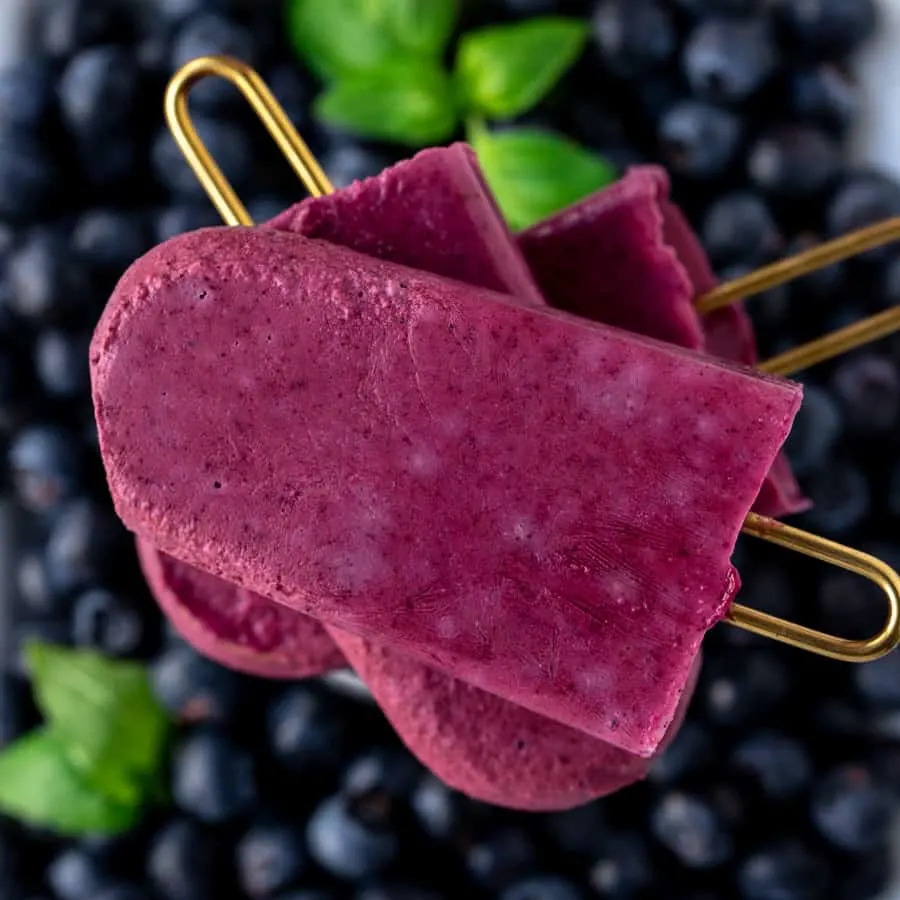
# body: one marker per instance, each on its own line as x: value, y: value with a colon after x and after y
x: 363, y: 427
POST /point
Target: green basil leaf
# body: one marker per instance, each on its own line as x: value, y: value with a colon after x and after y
x: 114, y: 730
x: 535, y: 173
x: 39, y: 785
x: 407, y: 103
x: 505, y: 70
x: 422, y: 26
x: 340, y: 37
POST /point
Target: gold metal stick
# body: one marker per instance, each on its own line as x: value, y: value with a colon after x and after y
x: 307, y: 168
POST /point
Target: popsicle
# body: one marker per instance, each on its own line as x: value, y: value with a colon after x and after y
x: 586, y: 257
x: 318, y: 387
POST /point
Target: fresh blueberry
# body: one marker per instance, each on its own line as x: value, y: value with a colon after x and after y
x: 124, y: 892
x: 262, y: 209
x: 109, y: 240
x: 530, y: 7
x: 346, y: 163
x: 841, y: 498
x: 294, y: 92
x: 824, y: 94
x: 270, y: 859
x: 226, y: 141
x: 76, y: 875
x: 317, y: 894
x: 70, y: 25
x: 691, y: 829
x: 817, y: 427
x: 851, y: 810
x: 305, y: 728
x: 44, y: 462
x: 868, y: 386
x: 176, y: 11
x: 543, y: 887
x: 61, y: 363
x: 98, y: 91
x: 868, y: 877
x: 35, y: 591
x: 441, y: 812
x: 103, y: 621
x: 193, y: 688
x: 727, y: 60
x: 783, y: 870
x: 111, y: 166
x: 29, y: 179
x: 861, y: 199
x: 624, y: 867
x: 46, y: 280
x: 177, y: 220
x: 387, y: 771
x: 829, y: 28
x: 213, y: 778
x: 27, y: 96
x: 210, y: 34
x: 351, y: 838
x: 633, y: 36
x: 779, y: 765
x: 689, y: 753
x: 821, y: 285
x: 581, y: 831
x: 501, y: 857
x: 82, y: 544
x: 699, y: 140
x: 739, y: 227
x: 742, y: 687
x: 184, y: 861
x: 849, y: 605
x: 794, y: 161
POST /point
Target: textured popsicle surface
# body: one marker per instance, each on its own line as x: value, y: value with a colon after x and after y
x: 431, y: 465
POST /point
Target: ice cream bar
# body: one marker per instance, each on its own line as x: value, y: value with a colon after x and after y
x: 629, y: 241
x: 428, y: 464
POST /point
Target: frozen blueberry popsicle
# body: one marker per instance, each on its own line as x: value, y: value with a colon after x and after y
x: 425, y: 463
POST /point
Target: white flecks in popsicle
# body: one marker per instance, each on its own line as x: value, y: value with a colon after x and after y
x: 448, y: 627
x: 359, y: 565
x: 424, y: 462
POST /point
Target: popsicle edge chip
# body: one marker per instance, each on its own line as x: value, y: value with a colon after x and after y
x: 215, y: 283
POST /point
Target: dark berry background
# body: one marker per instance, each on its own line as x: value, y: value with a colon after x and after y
x: 782, y: 784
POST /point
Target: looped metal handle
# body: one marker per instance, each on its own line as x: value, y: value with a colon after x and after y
x: 233, y: 212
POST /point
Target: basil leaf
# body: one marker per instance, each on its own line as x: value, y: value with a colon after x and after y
x: 422, y: 26
x: 407, y: 103
x: 504, y: 71
x: 39, y: 785
x: 105, y: 713
x: 340, y: 37
x: 535, y: 173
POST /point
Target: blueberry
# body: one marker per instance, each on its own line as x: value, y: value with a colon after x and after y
x: 633, y: 36
x: 47, y: 283
x: 313, y: 894
x: 743, y: 687
x: 83, y: 542
x: 29, y: 178
x: 176, y: 11
x: 699, y: 140
x: 193, y: 688
x: 347, y: 163
x: 867, y: 878
x: 184, y: 861
x: 210, y: 34
x: 530, y: 7
x: 861, y: 199
x: 103, y: 621
x: 690, y: 752
x: 624, y: 868
x: 581, y: 831
x: 824, y: 94
x: 304, y: 728
x: 727, y: 60
x: 784, y: 870
x: 226, y: 141
x: 501, y: 857
x: 779, y: 765
x: 270, y: 859
x: 109, y: 240
x: 177, y: 220
x: 61, y: 363
x: 868, y: 386
x: 111, y: 165
x: 829, y: 28
x: 352, y: 839
x: 441, y: 812
x: 850, y: 810
x: 70, y: 25
x: 213, y: 778
x: 794, y: 161
x: 76, y: 875
x: 35, y: 591
x: 739, y: 227
x: 27, y: 96
x: 821, y: 285
x: 817, y: 428
x: 542, y: 887
x: 849, y: 605
x: 841, y: 498
x: 294, y: 92
x: 262, y: 209
x: 98, y: 91
x: 388, y: 771
x: 44, y: 462
x: 691, y: 829
x: 124, y: 892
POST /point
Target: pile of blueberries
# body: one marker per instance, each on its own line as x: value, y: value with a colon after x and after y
x: 782, y: 783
